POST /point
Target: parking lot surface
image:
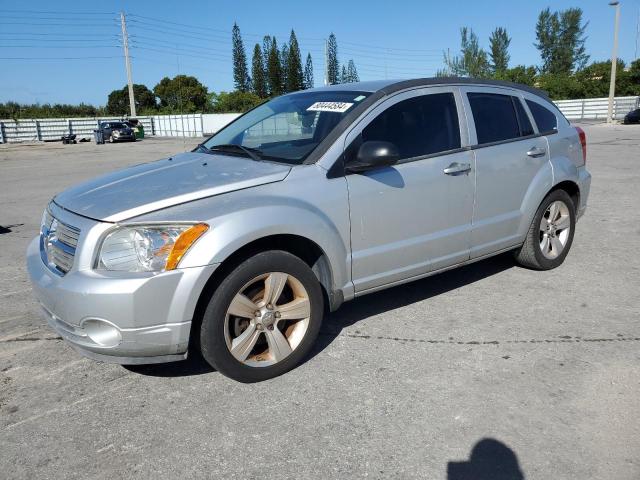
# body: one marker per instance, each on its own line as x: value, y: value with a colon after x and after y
x: 486, y: 369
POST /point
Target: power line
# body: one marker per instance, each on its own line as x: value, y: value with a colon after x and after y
x: 195, y: 67
x: 157, y: 40
x: 226, y: 32
x: 58, y: 24
x: 147, y: 26
x: 49, y: 40
x: 196, y: 37
x: 59, y: 34
x: 59, y: 58
x: 191, y: 27
x: 61, y: 46
x: 178, y: 50
x: 57, y: 12
x: 206, y: 57
x: 379, y: 48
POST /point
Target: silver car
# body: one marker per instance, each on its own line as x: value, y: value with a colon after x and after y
x: 237, y: 249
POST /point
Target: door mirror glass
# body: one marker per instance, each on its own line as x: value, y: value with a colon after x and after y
x: 374, y: 154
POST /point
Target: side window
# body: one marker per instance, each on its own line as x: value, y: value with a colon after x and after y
x: 523, y: 119
x: 418, y: 126
x: 545, y: 119
x: 494, y: 116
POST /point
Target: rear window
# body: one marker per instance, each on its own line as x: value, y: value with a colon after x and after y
x: 494, y: 116
x: 545, y: 118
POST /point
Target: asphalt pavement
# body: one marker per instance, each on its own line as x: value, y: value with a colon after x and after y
x: 486, y: 370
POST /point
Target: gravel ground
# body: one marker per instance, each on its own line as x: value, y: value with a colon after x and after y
x: 489, y: 368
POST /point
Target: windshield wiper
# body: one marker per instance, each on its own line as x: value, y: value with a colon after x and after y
x: 254, y: 153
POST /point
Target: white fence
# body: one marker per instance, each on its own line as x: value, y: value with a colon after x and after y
x: 198, y: 124
x: 33, y: 130
x: 597, y: 108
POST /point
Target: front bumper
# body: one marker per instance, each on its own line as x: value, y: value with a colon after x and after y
x: 122, y: 138
x: 143, y: 318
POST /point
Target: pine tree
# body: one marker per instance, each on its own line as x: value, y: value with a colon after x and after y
x: 308, y: 72
x: 499, y: 50
x: 333, y: 69
x: 241, y: 78
x: 294, y: 65
x: 284, y: 57
x: 266, y: 49
x: 259, y: 82
x: 472, y: 62
x: 343, y: 75
x: 352, y: 73
x: 274, y: 69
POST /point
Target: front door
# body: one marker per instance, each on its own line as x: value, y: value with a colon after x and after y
x: 415, y: 216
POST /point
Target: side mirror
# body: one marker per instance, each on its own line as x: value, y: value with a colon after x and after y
x: 374, y: 154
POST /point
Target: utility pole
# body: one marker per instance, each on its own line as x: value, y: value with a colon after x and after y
x: 637, y: 33
x: 326, y: 63
x: 614, y: 61
x: 127, y: 60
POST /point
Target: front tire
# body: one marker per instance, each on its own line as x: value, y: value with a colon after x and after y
x: 551, y: 233
x: 263, y: 318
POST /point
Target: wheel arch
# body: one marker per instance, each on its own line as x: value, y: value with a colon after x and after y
x: 304, y: 248
x: 571, y: 188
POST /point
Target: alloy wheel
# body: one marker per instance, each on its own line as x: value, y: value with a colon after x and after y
x: 267, y: 319
x: 555, y: 227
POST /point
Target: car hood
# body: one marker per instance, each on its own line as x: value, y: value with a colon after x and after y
x: 153, y: 186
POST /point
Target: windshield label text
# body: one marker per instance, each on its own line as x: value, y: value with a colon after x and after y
x: 339, y: 107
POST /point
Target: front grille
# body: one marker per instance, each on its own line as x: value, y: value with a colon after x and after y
x: 58, y: 242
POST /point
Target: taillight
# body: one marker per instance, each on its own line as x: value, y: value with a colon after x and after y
x: 583, y: 142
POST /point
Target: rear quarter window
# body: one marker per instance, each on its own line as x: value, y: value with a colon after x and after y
x: 545, y: 119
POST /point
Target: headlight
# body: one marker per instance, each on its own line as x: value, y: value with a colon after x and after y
x: 148, y: 248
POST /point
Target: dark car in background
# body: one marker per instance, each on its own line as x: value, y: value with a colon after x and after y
x: 117, y: 132
x: 632, y: 117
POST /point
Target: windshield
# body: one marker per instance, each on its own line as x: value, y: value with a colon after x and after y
x: 116, y: 125
x: 286, y: 129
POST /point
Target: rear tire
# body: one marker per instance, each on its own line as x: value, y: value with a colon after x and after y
x: 549, y: 239
x: 263, y: 318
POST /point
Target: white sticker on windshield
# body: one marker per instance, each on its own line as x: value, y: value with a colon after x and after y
x: 339, y: 107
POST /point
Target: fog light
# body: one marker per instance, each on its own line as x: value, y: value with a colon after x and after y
x: 101, y: 332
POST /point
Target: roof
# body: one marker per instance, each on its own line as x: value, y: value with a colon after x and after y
x: 389, y: 86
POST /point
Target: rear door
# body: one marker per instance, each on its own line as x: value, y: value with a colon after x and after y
x: 509, y: 157
x: 412, y: 217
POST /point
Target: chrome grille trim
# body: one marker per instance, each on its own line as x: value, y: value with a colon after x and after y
x: 58, y: 247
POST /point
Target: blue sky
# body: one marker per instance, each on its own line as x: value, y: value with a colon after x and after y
x: 386, y: 39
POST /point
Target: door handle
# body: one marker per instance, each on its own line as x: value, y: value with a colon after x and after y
x: 456, y: 168
x: 536, y: 152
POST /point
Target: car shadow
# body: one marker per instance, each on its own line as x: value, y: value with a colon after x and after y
x: 192, y: 366
x: 490, y: 459
x: 356, y: 310
x: 376, y: 303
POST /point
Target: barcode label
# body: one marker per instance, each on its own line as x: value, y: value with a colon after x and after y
x: 339, y: 107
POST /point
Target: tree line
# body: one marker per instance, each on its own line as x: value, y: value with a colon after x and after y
x: 564, y: 71
x: 275, y: 71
